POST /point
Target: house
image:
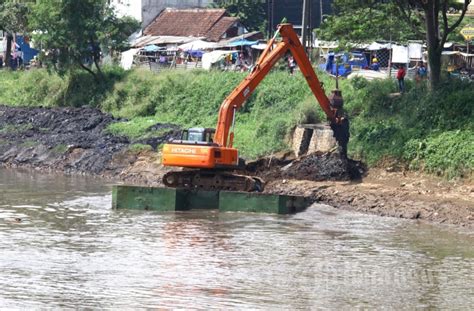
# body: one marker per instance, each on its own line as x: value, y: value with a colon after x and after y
x: 208, y: 24
x: 192, y: 32
x: 146, y: 10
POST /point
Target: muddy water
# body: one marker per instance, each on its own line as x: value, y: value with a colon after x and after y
x: 71, y: 250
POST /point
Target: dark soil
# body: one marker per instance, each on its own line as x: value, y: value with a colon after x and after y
x: 73, y: 140
x: 314, y: 167
x: 324, y: 166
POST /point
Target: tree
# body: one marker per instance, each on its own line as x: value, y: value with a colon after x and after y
x: 13, y: 19
x: 252, y: 13
x: 365, y: 21
x: 74, y: 33
x: 434, y: 15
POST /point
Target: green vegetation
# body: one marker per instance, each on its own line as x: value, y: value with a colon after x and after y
x: 60, y: 149
x: 368, y: 21
x: 431, y: 131
x: 29, y: 143
x: 253, y: 14
x: 77, y: 32
x: 137, y: 128
x: 15, y: 128
x: 137, y: 148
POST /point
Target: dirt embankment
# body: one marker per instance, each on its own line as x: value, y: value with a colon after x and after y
x: 75, y: 140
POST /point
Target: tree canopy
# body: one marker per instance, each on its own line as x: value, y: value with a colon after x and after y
x: 75, y: 33
x: 252, y: 13
x: 365, y: 21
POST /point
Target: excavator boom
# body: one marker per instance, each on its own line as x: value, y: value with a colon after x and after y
x: 213, y: 155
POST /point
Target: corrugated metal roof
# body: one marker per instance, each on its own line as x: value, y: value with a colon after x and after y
x: 147, y: 40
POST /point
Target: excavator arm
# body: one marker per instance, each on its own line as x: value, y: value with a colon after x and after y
x: 209, y: 161
x: 290, y: 42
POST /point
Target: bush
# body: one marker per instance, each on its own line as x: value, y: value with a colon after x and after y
x: 450, y: 153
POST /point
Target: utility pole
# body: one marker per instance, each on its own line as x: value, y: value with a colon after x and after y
x: 270, y: 15
x: 304, y: 23
x: 321, y: 12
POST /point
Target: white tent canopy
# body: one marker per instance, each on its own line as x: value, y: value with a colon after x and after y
x: 197, y: 45
x: 213, y: 57
x: 374, y: 46
x: 158, y: 40
x: 260, y: 46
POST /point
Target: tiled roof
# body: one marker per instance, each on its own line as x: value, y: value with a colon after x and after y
x: 209, y: 23
x: 221, y: 27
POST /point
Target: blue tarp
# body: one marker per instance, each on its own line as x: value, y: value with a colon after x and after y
x: 242, y: 42
x: 331, y: 67
x: 359, y: 59
x: 152, y: 48
x: 195, y: 53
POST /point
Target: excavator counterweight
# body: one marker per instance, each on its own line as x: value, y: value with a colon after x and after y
x: 208, y: 157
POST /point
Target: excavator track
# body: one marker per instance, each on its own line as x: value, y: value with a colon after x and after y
x: 213, y: 180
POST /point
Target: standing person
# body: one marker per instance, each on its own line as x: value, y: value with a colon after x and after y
x: 291, y: 64
x: 401, y: 73
x: 375, y: 63
x: 421, y: 72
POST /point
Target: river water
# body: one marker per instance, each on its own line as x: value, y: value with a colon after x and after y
x: 70, y: 250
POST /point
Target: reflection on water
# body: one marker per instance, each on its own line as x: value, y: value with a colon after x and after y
x: 71, y: 250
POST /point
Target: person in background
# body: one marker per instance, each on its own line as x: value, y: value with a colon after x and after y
x: 291, y: 64
x: 375, y: 63
x: 421, y: 73
x: 401, y: 73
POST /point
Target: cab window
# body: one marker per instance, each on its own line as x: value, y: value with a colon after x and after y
x: 195, y: 136
x: 210, y: 137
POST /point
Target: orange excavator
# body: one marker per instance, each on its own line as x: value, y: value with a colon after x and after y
x: 208, y: 156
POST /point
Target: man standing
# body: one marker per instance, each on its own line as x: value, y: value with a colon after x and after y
x: 401, y: 73
x: 421, y: 72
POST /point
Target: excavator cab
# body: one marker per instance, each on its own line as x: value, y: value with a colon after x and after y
x: 197, y: 135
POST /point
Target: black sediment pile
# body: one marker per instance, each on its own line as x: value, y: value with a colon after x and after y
x: 324, y: 166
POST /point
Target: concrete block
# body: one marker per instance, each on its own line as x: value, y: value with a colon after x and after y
x: 310, y: 138
x: 322, y: 140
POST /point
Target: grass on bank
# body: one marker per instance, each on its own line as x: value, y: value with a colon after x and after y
x: 428, y: 131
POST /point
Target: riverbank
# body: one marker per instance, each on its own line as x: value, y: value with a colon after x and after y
x: 78, y: 141
x: 427, y: 131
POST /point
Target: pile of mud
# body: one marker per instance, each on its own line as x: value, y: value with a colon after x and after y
x: 73, y: 140
x: 313, y: 167
x: 324, y: 166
